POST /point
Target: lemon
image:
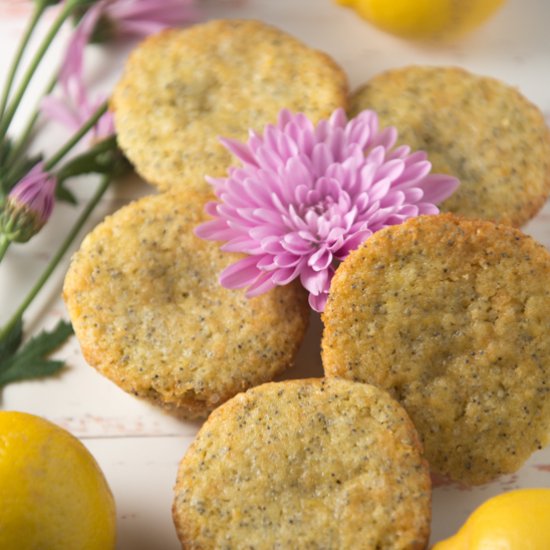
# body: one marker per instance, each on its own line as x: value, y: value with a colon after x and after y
x: 518, y: 520
x: 53, y: 496
x: 424, y: 18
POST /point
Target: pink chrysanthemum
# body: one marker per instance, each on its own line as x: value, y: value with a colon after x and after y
x: 306, y: 195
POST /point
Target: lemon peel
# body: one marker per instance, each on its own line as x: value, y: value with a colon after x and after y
x: 517, y: 519
x: 425, y: 19
x: 52, y: 492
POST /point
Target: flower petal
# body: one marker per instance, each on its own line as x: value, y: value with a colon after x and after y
x: 314, y: 281
x: 282, y: 277
x: 240, y: 150
x: 320, y: 260
x: 241, y: 273
x: 306, y: 196
x: 438, y: 187
x: 261, y: 285
x: 319, y: 302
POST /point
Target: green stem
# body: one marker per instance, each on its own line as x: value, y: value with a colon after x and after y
x: 14, y: 104
x: 104, y: 184
x: 57, y: 157
x: 16, y: 169
x: 76, y: 138
x: 4, y: 245
x: 23, y: 139
x: 37, y: 14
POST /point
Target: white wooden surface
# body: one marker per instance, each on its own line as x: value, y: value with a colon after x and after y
x: 138, y: 446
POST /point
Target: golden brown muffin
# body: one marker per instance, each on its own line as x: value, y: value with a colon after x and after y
x: 452, y: 318
x: 149, y: 313
x: 305, y: 464
x: 476, y: 128
x: 182, y: 89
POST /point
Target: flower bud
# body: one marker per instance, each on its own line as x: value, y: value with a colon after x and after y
x: 28, y: 205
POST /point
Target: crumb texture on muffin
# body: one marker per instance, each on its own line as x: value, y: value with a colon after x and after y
x: 475, y: 128
x: 312, y: 463
x: 451, y: 317
x: 183, y: 88
x: 149, y: 312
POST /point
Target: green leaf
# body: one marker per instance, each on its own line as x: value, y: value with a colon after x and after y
x: 45, y: 342
x: 64, y: 194
x: 38, y: 368
x: 31, y: 361
x: 12, y: 340
x: 103, y: 158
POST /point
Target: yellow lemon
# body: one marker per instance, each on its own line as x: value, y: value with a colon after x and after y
x: 424, y: 18
x: 518, y: 520
x: 53, y: 496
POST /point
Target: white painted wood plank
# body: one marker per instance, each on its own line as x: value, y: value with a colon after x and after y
x: 137, y: 445
x: 142, y: 471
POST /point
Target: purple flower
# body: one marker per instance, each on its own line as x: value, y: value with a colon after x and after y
x: 75, y: 107
x: 305, y: 196
x: 144, y: 17
x: 108, y: 19
x: 115, y: 18
x: 28, y: 205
